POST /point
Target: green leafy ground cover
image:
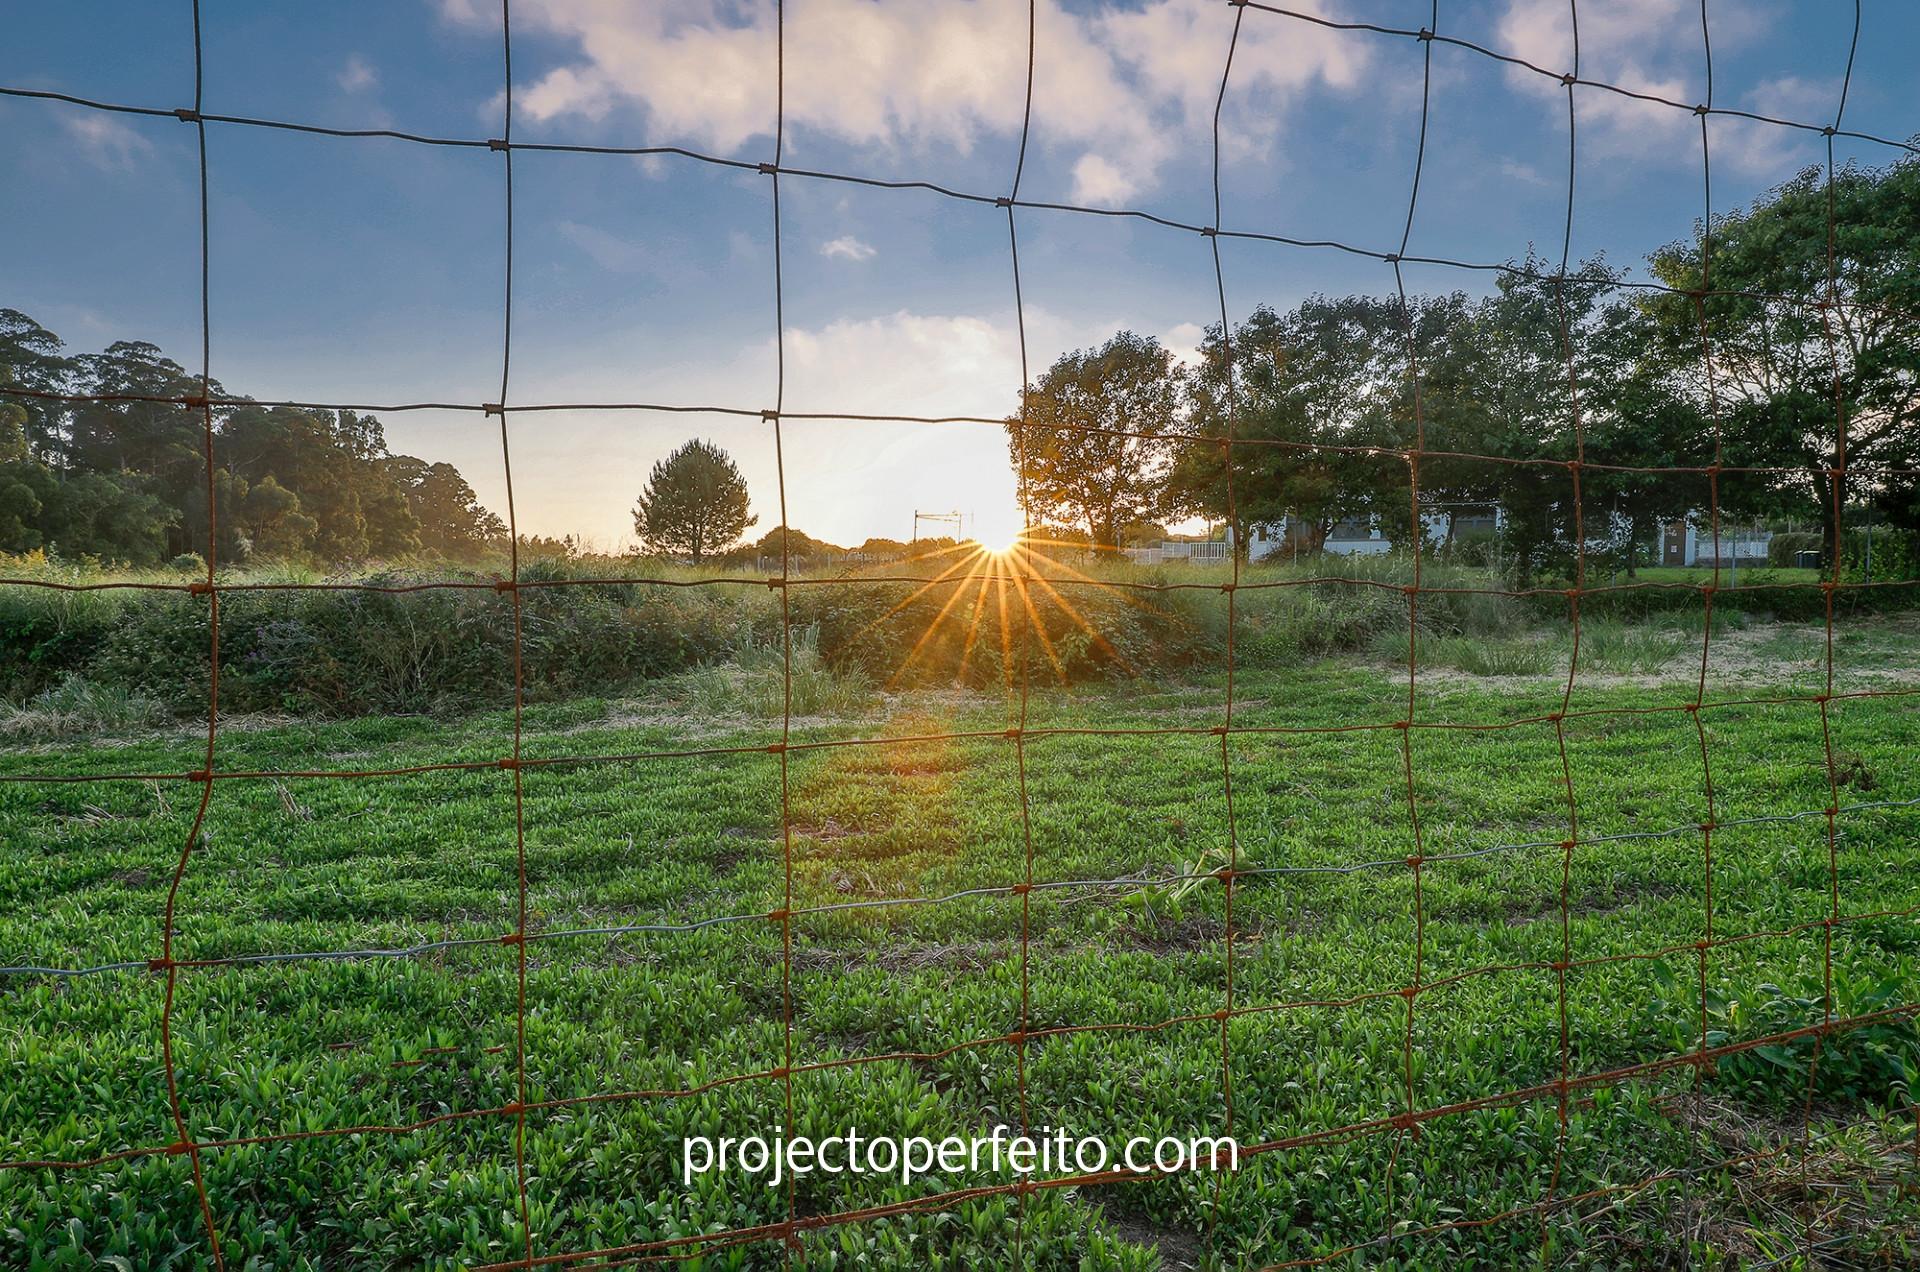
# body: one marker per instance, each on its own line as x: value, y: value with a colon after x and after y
x: 328, y: 863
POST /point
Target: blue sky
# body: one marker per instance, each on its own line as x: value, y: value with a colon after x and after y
x: 370, y: 270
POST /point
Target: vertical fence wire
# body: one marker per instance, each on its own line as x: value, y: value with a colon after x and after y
x: 1025, y: 653
x: 519, y: 941
x: 1837, y: 482
x: 1416, y: 534
x: 1238, y: 544
x: 186, y: 1141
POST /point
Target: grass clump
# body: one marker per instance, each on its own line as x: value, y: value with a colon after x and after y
x: 77, y: 706
x: 752, y: 681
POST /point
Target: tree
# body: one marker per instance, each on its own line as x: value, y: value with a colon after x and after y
x: 449, y: 515
x: 1130, y: 389
x: 1787, y: 367
x: 1499, y: 380
x: 333, y: 462
x: 1142, y: 534
x: 121, y: 473
x: 31, y: 358
x: 694, y: 505
x: 1319, y: 377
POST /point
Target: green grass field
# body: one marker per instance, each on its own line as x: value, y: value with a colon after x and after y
x: 328, y: 864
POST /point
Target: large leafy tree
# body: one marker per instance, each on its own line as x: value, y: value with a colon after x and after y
x: 449, y: 516
x: 119, y: 475
x: 32, y: 358
x: 694, y: 505
x: 1788, y: 368
x: 1499, y: 380
x: 332, y: 463
x: 1306, y: 385
x: 1096, y: 441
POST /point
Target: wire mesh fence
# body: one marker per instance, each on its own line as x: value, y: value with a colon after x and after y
x: 520, y: 932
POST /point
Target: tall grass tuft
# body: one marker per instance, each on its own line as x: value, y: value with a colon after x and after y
x: 752, y: 681
x: 78, y: 706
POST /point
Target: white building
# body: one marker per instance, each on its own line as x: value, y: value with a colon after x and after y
x: 1368, y: 536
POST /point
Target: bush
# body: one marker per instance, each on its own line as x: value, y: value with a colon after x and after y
x: 432, y: 649
x: 1884, y: 554
x: 1784, y: 549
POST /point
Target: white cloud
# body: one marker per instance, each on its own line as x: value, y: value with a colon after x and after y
x: 608, y: 251
x: 469, y: 11
x: 1759, y: 147
x: 106, y: 142
x: 847, y: 248
x: 924, y: 364
x: 1655, y: 47
x: 1098, y: 182
x: 1525, y: 173
x: 1122, y: 91
x: 356, y: 76
x: 1183, y: 340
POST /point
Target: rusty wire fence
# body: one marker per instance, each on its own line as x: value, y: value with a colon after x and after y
x: 1561, y: 1092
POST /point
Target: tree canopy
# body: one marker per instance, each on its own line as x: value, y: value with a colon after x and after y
x: 1094, y: 444
x: 92, y: 465
x: 1765, y: 358
x: 694, y: 505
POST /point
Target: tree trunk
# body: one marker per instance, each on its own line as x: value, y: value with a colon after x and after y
x: 1831, y: 531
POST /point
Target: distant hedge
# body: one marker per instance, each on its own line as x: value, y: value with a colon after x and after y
x: 362, y: 652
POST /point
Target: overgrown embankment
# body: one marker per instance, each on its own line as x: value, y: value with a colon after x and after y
x: 425, y: 646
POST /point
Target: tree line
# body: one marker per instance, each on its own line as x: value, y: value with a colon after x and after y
x: 1544, y: 368
x: 1497, y: 394
x: 92, y: 466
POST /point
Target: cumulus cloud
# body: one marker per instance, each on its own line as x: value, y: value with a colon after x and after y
x: 847, y: 248
x: 356, y: 76
x: 1654, y: 47
x: 1183, y: 340
x: 1121, y: 91
x: 106, y: 142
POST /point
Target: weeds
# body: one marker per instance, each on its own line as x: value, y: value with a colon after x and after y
x: 78, y: 706
x: 752, y: 681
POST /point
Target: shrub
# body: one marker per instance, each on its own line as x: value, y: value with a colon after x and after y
x: 1784, y: 549
x: 1885, y: 554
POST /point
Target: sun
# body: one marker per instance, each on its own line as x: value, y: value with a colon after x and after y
x: 1001, y: 544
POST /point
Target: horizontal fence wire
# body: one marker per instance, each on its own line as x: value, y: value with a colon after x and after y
x: 1413, y: 1112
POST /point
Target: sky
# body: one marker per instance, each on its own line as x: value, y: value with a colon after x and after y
x: 371, y: 270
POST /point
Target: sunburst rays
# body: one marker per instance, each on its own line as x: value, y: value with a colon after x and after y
x: 1019, y: 591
